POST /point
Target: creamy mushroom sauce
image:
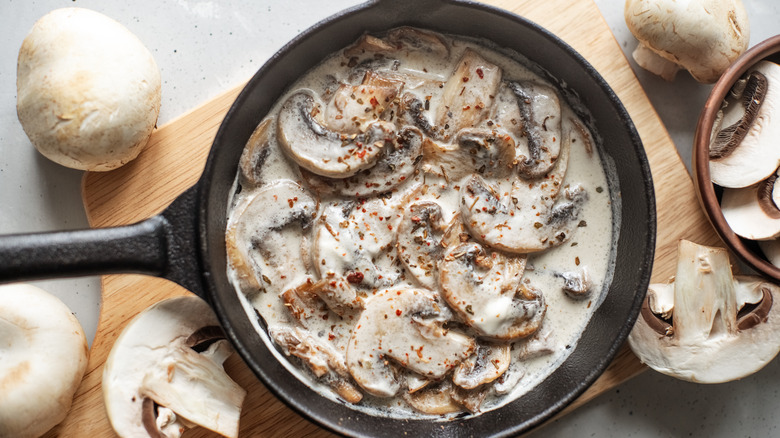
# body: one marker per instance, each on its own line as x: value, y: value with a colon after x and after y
x: 273, y: 251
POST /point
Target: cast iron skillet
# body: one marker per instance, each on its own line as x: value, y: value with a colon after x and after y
x: 186, y: 243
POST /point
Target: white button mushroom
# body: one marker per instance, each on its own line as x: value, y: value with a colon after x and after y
x: 702, y: 36
x: 720, y: 327
x: 88, y: 91
x: 164, y: 373
x: 43, y: 356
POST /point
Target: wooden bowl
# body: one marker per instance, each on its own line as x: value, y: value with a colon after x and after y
x: 709, y: 193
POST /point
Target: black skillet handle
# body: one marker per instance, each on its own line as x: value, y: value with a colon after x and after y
x: 162, y: 246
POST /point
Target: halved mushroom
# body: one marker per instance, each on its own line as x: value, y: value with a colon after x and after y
x: 751, y: 212
x: 43, y: 356
x: 354, y: 107
x: 320, y: 356
x: 255, y: 154
x: 487, y: 364
x: 396, y: 166
x: 485, y: 290
x: 490, y: 153
x: 468, y: 94
x: 745, y: 150
x: 355, y: 240
x: 168, y: 360
x: 721, y: 328
x: 405, y: 326
x: 540, y: 110
x: 420, y: 241
x: 316, y: 148
x: 256, y: 241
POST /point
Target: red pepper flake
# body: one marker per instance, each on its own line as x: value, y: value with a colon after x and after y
x: 355, y: 277
x: 361, y: 154
x: 397, y: 312
x: 480, y: 73
x: 374, y: 102
x: 465, y: 78
x: 331, y: 336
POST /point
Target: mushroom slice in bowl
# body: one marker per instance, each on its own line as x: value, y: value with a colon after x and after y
x: 164, y: 373
x: 316, y: 148
x: 256, y: 241
x: 485, y: 290
x: 751, y: 212
x: 354, y: 107
x: 407, y: 327
x: 745, y: 151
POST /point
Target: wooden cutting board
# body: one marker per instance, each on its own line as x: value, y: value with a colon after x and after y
x: 174, y: 160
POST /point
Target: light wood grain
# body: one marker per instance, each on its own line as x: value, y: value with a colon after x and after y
x: 174, y: 160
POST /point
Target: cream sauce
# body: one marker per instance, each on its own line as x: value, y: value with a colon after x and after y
x: 349, y: 235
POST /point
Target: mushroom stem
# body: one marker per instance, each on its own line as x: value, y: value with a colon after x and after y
x: 656, y: 64
x: 704, y: 295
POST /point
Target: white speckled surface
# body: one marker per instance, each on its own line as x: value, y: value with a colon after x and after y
x: 205, y: 47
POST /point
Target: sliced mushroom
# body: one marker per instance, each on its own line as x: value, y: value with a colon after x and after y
x: 257, y: 248
x: 487, y: 364
x: 156, y: 361
x: 43, y: 356
x: 485, y: 290
x: 255, y: 154
x: 434, y: 399
x: 751, y: 211
x: 576, y: 284
x: 395, y: 167
x: 771, y: 250
x: 490, y: 153
x: 753, y: 157
x: 320, y: 356
x: 336, y: 293
x: 316, y: 148
x: 540, y: 110
x: 468, y: 94
x: 405, y: 325
x: 710, y: 339
x: 354, y: 107
x: 420, y: 241
x: 411, y: 111
x: 355, y: 240
x: 509, y: 379
x: 533, y: 216
x: 368, y: 44
x: 511, y: 224
x: 410, y: 38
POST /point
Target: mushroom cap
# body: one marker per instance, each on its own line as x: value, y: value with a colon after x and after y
x: 757, y: 155
x: 704, y: 36
x: 43, y: 356
x: 88, y: 91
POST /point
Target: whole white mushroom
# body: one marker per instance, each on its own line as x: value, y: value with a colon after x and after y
x: 43, y: 356
x: 88, y: 91
x: 701, y: 36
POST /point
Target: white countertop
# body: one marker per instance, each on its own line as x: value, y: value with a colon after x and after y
x: 206, y: 47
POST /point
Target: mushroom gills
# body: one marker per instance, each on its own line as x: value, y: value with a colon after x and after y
x: 756, y: 156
